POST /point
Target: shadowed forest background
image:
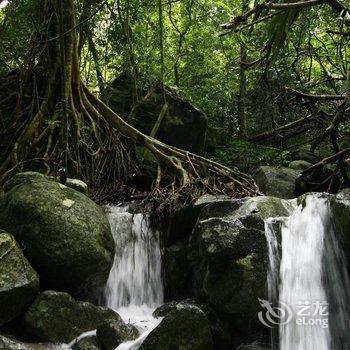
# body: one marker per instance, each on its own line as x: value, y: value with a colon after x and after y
x: 242, y: 83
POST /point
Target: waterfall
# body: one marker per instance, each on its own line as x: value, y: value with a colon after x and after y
x: 307, y: 277
x: 134, y: 288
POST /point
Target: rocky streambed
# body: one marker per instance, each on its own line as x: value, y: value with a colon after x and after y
x: 57, y: 249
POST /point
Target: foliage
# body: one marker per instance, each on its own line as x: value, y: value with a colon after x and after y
x: 248, y: 156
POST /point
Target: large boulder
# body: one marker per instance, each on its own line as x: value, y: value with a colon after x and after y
x: 178, y: 271
x: 19, y: 283
x: 229, y: 257
x: 112, y: 333
x: 276, y: 181
x: 65, y: 235
x: 183, y: 125
x: 184, y: 327
x: 58, y: 318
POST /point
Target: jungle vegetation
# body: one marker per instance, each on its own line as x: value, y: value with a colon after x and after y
x: 271, y: 76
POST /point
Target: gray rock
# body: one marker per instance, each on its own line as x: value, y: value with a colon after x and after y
x: 19, y: 283
x: 184, y: 126
x: 185, y: 327
x: 277, y: 182
x: 300, y: 164
x: 112, y: 333
x: 228, y: 254
x: 58, y: 318
x: 65, y: 235
x: 78, y: 185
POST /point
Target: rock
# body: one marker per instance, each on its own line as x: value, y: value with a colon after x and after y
x: 183, y: 220
x: 112, y: 333
x: 9, y: 343
x: 340, y: 205
x: 87, y: 343
x: 178, y: 271
x: 19, y: 283
x: 58, y: 318
x: 185, y: 327
x: 166, y: 308
x: 277, y: 182
x: 229, y: 258
x: 299, y: 165
x: 304, y: 153
x: 184, y: 126
x: 66, y: 236
x: 78, y: 185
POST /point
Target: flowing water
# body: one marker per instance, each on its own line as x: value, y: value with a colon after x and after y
x: 307, y: 277
x: 134, y: 288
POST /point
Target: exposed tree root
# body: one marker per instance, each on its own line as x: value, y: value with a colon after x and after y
x: 66, y: 127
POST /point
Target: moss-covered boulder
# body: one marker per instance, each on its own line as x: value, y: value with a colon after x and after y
x: 58, y: 318
x: 183, y: 125
x: 229, y: 258
x: 299, y: 164
x: 112, y: 333
x: 185, y: 327
x: 65, y: 235
x: 19, y: 283
x: 277, y: 182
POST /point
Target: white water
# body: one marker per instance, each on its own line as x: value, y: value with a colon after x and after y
x: 134, y: 288
x: 311, y: 269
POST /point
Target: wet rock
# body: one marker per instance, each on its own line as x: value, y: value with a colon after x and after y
x: 19, y: 283
x: 277, y: 182
x: 58, y: 318
x: 185, y: 327
x: 87, y: 343
x: 65, y: 236
x: 228, y: 254
x: 112, y: 333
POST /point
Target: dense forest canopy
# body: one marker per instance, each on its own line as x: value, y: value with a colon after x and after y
x: 271, y: 76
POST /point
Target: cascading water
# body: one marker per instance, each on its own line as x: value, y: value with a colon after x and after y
x: 134, y: 288
x: 309, y: 279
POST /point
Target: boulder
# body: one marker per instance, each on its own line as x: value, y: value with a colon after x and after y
x: 19, y: 283
x: 277, y: 182
x: 183, y: 125
x: 58, y: 318
x: 304, y: 153
x: 177, y: 270
x: 183, y: 327
x: 87, y: 343
x: 299, y: 164
x: 112, y: 333
x: 65, y: 235
x: 229, y: 258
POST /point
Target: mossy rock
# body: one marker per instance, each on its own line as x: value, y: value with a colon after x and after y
x: 19, y: 283
x: 65, y: 235
x: 299, y: 164
x: 276, y: 182
x: 228, y: 255
x: 185, y: 327
x: 112, y: 333
x: 58, y: 318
